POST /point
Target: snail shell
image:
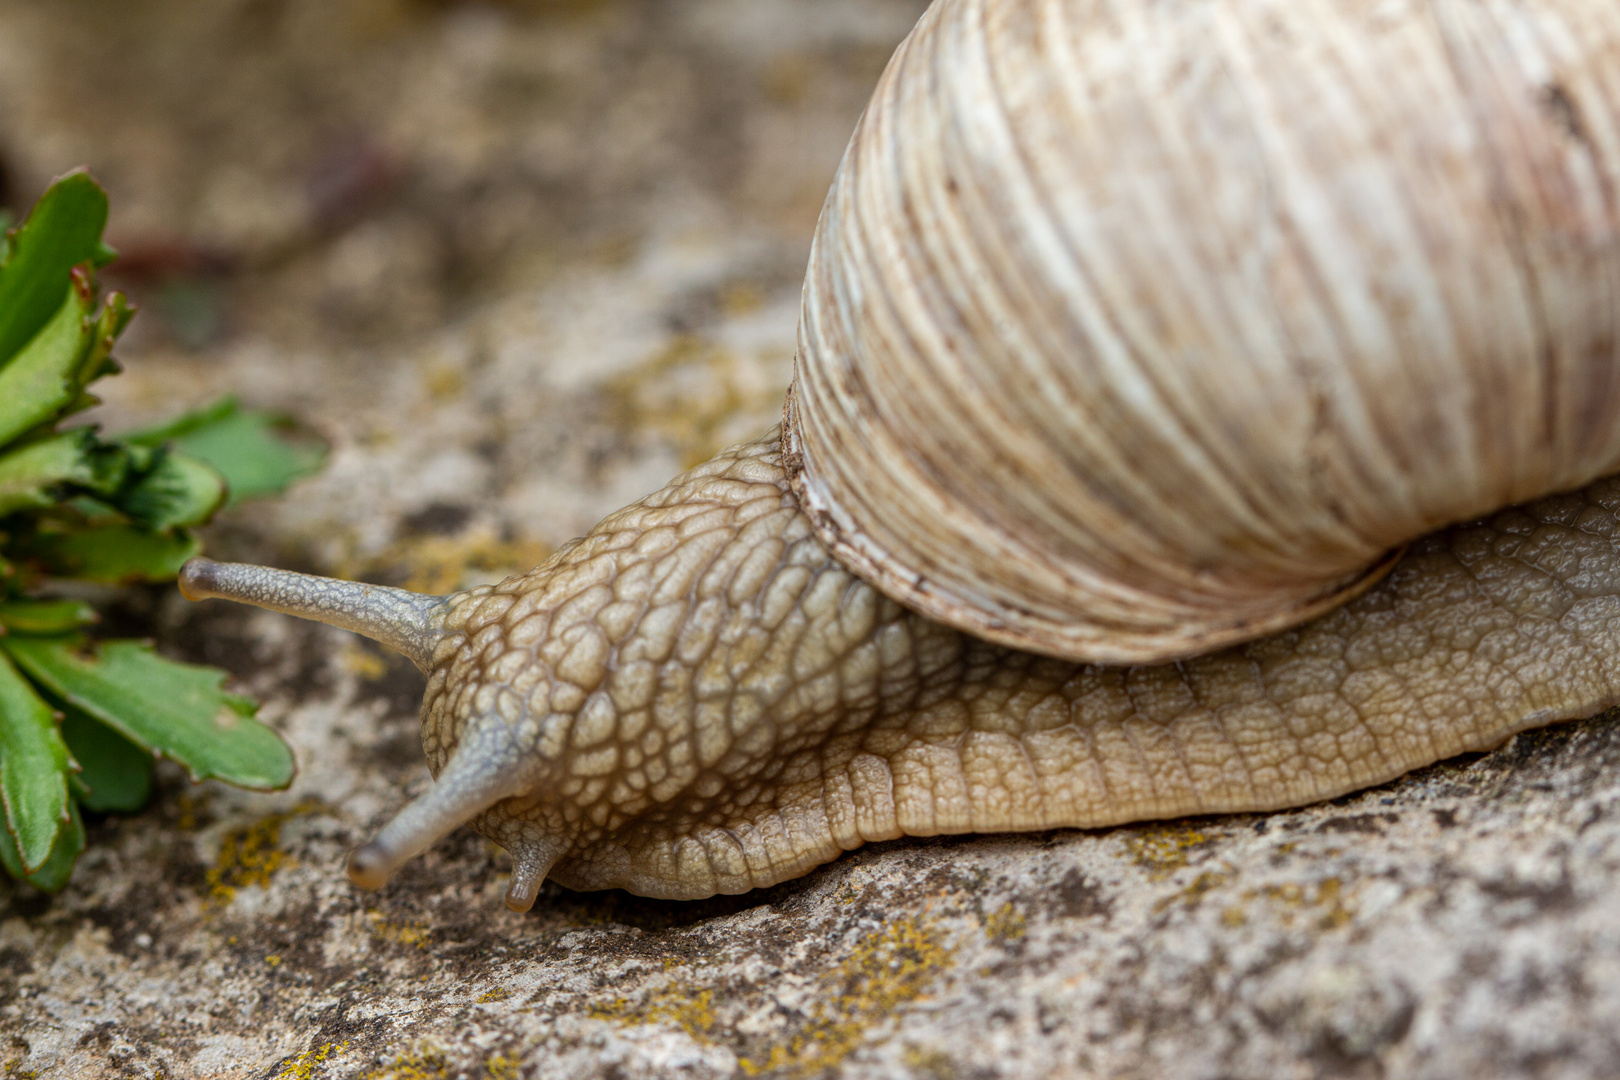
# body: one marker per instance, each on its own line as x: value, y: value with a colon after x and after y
x: 1131, y: 327
x: 1134, y: 329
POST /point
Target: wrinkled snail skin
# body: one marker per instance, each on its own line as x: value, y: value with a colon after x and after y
x: 695, y: 698
x: 1132, y: 330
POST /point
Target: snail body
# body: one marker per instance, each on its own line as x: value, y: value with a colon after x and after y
x: 697, y: 698
x: 784, y: 654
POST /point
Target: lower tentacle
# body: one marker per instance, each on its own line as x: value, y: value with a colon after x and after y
x: 531, y: 862
x: 487, y: 767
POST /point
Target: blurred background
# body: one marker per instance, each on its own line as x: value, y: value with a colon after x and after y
x: 518, y: 262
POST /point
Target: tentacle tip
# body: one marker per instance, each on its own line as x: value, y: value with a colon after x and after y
x: 370, y: 866
x: 198, y: 578
x: 519, y: 899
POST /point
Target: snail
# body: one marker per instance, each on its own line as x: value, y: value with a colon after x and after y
x: 1200, y: 406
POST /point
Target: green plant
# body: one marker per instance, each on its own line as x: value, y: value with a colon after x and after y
x: 80, y: 720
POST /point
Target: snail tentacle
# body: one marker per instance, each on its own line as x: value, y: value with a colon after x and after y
x: 531, y: 862
x: 488, y: 766
x: 408, y: 622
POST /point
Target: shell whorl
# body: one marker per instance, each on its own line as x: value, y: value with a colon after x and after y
x: 1136, y: 329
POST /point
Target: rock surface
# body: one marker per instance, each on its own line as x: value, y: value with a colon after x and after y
x: 520, y: 263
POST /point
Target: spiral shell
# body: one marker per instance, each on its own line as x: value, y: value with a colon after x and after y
x: 1134, y: 328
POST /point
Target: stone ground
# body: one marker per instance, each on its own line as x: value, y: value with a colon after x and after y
x: 519, y: 263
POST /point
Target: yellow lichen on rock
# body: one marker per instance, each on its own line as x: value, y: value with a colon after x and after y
x: 249, y: 855
x: 502, y: 1067
x: 1162, y: 849
x: 398, y: 933
x: 1206, y: 882
x: 304, y: 1065
x: 884, y: 971
x: 675, y: 1004
x: 1327, y: 900
x: 427, y: 1060
x: 1005, y: 924
x: 698, y: 395
x: 424, y: 1061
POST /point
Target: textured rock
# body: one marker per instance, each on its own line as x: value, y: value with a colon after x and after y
x: 549, y: 257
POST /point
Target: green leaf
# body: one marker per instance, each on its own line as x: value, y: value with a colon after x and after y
x: 59, y: 865
x: 177, y: 490
x: 42, y: 379
x: 254, y: 450
x: 89, y: 510
x: 177, y: 710
x: 31, y: 475
x: 113, y: 554
x: 114, y: 317
x: 184, y: 424
x: 34, y: 768
x: 115, y: 774
x: 62, y: 231
x: 45, y: 616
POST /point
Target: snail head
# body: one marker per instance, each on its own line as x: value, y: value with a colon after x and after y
x: 630, y: 693
x: 483, y: 745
